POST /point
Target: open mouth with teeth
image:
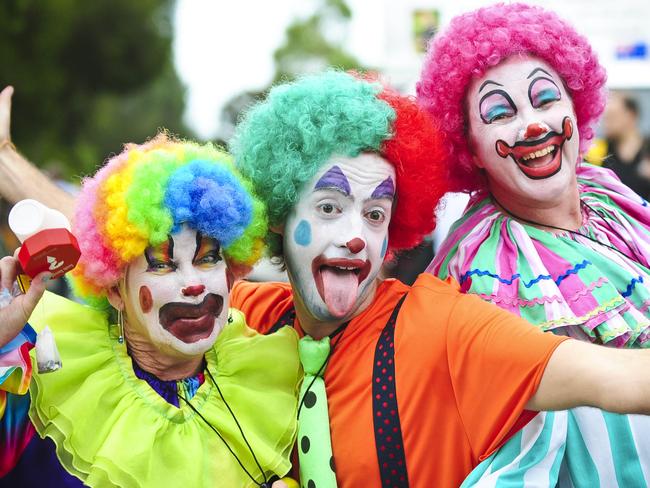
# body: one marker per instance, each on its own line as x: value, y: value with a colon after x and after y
x: 191, y: 322
x: 541, y: 158
x: 337, y: 281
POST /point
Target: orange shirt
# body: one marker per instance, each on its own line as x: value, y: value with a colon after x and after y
x: 464, y: 370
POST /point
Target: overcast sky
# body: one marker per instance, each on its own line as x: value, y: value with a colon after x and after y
x: 223, y: 48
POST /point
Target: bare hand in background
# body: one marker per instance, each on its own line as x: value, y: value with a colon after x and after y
x: 5, y: 114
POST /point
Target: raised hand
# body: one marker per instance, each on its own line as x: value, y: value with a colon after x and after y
x: 5, y: 115
x: 14, y: 316
x: 20, y: 179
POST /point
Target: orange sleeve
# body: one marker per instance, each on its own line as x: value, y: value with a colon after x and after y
x: 262, y: 303
x: 496, y: 361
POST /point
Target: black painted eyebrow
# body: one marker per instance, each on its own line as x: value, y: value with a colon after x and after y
x: 199, y: 240
x: 170, y: 250
x: 198, y: 237
x: 147, y: 256
x: 171, y: 246
x: 487, y: 82
x: 536, y: 70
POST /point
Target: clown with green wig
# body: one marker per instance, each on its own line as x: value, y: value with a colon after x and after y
x: 162, y: 384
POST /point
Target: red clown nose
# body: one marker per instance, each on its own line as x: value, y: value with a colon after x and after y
x: 534, y: 130
x: 193, y: 291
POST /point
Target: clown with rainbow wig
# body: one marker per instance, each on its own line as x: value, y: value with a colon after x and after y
x: 561, y: 243
x: 178, y: 392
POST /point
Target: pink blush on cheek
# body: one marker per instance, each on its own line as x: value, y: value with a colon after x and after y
x: 146, y: 300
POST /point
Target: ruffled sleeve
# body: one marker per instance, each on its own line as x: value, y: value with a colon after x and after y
x: 15, y: 365
x: 588, y: 284
x: 15, y: 375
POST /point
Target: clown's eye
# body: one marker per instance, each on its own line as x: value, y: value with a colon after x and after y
x: 376, y: 216
x: 209, y: 258
x: 496, y: 105
x: 499, y: 115
x: 328, y: 209
x: 542, y: 92
x: 160, y: 266
x: 546, y: 97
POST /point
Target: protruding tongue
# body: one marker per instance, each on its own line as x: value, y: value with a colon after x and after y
x: 339, y: 290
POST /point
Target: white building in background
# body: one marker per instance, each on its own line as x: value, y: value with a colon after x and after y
x: 224, y: 48
x: 382, y: 34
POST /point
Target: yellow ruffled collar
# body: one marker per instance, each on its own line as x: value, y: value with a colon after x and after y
x: 111, y: 428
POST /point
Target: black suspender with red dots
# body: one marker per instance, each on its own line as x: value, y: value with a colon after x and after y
x: 287, y: 318
x: 388, y: 431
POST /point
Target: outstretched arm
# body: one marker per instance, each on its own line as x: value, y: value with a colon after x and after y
x: 19, y: 178
x: 585, y: 374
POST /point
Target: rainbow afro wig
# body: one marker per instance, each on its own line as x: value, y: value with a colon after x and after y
x: 476, y: 41
x: 147, y: 192
x: 282, y: 143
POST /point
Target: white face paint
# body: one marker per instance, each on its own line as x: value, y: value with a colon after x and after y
x: 177, y: 294
x: 336, y: 237
x: 523, y: 130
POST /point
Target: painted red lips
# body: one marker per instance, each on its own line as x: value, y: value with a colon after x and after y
x: 191, y: 322
x: 539, y: 158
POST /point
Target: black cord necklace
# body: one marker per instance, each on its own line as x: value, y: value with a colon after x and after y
x: 267, y: 481
x: 602, y: 217
x: 334, y: 334
x: 633, y: 257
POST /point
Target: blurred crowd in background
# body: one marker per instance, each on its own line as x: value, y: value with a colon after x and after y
x: 90, y: 76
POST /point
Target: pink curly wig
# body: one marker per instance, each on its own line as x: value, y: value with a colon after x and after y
x: 476, y: 41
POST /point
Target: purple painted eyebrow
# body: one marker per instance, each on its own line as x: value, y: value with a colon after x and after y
x: 334, y: 178
x: 385, y: 189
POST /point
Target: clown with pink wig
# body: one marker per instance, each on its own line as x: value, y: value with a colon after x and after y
x: 559, y: 242
x: 165, y: 387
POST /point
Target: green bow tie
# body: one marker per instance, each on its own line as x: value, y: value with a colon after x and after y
x: 314, y: 441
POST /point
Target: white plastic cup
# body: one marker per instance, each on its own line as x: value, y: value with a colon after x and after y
x: 29, y: 216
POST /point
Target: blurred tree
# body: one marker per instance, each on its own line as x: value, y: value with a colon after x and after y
x: 88, y: 77
x: 232, y: 111
x: 312, y: 44
x: 316, y: 42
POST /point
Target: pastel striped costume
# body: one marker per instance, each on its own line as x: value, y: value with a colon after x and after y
x: 590, y: 284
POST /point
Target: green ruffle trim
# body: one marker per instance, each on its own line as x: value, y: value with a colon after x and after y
x: 111, y: 429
